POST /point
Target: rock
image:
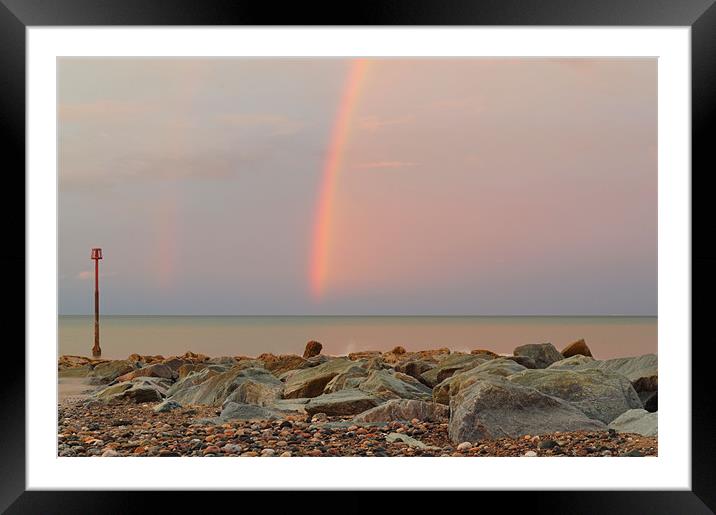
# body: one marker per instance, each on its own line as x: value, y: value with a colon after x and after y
x: 268, y: 452
x: 578, y: 348
x: 239, y: 411
x: 223, y: 360
x: 650, y: 400
x: 600, y: 395
x: 412, y: 442
x: 243, y: 385
x: 495, y: 408
x: 188, y: 368
x: 484, y: 353
x: 395, y: 386
x: 398, y: 350
x: 530, y: 454
x: 366, y: 354
x: 294, y: 405
x: 313, y: 348
x: 111, y: 370
x: 452, y: 385
x: 110, y: 453
x: 167, y: 405
x: 637, y: 421
x: 414, y: 368
x: 525, y: 361
x: 278, y: 365
x: 642, y: 371
x: 464, y: 446
x: 155, y: 370
x: 255, y: 386
x: 349, y: 378
x: 80, y: 371
x: 310, y: 382
x: 449, y: 366
x: 571, y: 363
x: 286, y: 454
x: 343, y: 402
x: 141, y: 389
x: 544, y: 354
x: 401, y: 409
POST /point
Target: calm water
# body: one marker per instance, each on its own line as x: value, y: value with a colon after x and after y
x: 608, y: 337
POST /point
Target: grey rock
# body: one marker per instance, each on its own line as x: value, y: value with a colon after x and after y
x: 415, y: 368
x: 495, y: 367
x: 637, y: 421
x: 343, y: 402
x: 240, y: 384
x: 495, y: 408
x: 167, y: 405
x: 449, y: 366
x: 349, y: 378
x: 650, y: 400
x: 390, y: 385
x: 141, y: 389
x: 571, y: 363
x: 600, y: 395
x: 402, y: 409
x: 642, y: 371
x: 111, y: 370
x: 412, y: 442
x: 310, y: 382
x: 543, y: 354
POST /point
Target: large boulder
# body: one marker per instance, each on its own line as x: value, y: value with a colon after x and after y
x: 485, y: 353
x: 650, y: 400
x: 255, y: 386
x: 313, y: 348
x: 496, y: 408
x: 404, y: 409
x: 344, y: 402
x: 501, y: 367
x: 637, y: 421
x: 349, y: 378
x: 154, y: 370
x: 642, y: 371
x: 543, y: 354
x: 141, y: 389
x: 277, y: 365
x: 600, y: 395
x: 395, y: 386
x: 578, y: 348
x: 570, y: 363
x: 239, y: 384
x: 310, y: 382
x: 111, y: 370
x: 78, y: 371
x: 187, y: 384
x: 415, y: 368
x: 449, y: 366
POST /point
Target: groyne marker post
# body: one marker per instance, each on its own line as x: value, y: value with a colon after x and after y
x: 96, y: 256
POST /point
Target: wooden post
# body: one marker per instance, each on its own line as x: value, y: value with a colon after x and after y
x: 96, y: 256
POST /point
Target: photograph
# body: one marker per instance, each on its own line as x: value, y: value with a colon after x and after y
x: 357, y: 256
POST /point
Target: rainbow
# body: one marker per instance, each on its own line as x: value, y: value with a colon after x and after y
x: 332, y: 165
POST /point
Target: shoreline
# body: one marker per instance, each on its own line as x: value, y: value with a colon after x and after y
x: 535, y: 402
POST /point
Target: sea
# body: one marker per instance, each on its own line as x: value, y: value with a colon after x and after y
x: 120, y: 336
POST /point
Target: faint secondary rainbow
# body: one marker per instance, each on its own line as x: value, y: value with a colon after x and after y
x: 331, y: 167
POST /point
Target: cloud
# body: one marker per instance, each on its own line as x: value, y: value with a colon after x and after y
x: 385, y: 164
x: 374, y: 123
x: 278, y: 125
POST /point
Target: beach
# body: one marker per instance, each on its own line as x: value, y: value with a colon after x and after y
x: 534, y: 401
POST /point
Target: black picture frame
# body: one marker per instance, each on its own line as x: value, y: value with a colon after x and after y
x: 17, y: 15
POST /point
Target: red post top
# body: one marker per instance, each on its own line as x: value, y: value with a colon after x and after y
x: 96, y: 253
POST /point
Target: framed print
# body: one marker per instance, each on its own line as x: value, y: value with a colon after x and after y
x: 437, y: 249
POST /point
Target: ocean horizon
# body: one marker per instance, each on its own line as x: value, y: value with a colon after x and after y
x: 240, y: 335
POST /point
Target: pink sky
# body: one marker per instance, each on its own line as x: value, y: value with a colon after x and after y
x: 464, y: 186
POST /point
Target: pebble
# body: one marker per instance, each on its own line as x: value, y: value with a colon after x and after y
x: 530, y: 454
x: 464, y: 446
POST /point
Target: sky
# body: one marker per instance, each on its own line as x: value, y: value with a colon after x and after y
x: 326, y: 186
